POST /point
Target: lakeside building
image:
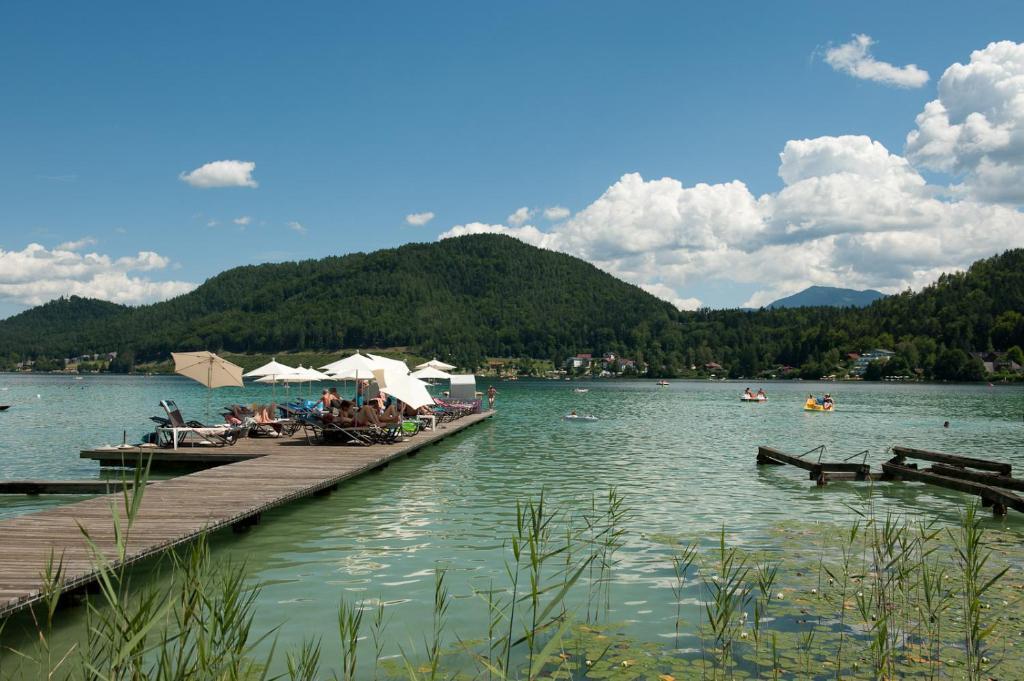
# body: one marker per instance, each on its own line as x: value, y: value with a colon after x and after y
x: 998, y: 362
x: 609, y: 363
x: 860, y: 365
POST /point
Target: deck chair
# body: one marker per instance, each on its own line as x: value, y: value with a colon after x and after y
x: 324, y: 431
x: 281, y: 426
x: 178, y: 431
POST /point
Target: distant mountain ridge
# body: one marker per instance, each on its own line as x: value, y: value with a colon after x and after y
x: 828, y: 296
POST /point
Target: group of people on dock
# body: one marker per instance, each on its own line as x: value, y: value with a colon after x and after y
x: 379, y: 410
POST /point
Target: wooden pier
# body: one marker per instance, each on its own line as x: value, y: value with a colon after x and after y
x: 182, y: 509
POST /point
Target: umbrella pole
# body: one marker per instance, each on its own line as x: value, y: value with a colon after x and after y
x: 209, y: 390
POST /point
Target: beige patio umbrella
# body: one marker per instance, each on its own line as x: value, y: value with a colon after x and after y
x: 209, y: 369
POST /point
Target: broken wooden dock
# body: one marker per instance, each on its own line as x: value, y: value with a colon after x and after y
x: 992, y: 481
x: 955, y: 472
x: 182, y: 509
x: 819, y: 471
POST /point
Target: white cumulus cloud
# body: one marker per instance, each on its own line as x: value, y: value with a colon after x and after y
x: 243, y: 220
x: 669, y: 294
x: 851, y: 214
x: 77, y: 245
x: 556, y: 213
x: 975, y: 129
x: 520, y: 217
x: 419, y: 219
x: 854, y: 58
x: 221, y: 174
x: 297, y: 227
x: 36, y: 274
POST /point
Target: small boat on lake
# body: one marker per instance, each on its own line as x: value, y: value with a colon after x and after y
x: 663, y: 383
x: 824, y: 404
x: 581, y: 391
x: 4, y: 407
x: 753, y: 398
x: 579, y: 417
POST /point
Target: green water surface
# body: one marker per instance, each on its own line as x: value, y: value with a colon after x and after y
x: 682, y: 456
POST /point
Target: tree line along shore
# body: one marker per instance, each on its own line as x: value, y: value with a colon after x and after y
x: 473, y: 299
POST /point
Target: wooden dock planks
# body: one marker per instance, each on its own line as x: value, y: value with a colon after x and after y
x: 181, y: 509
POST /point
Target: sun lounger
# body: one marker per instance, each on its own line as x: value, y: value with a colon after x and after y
x: 277, y: 427
x: 319, y: 430
x: 177, y: 431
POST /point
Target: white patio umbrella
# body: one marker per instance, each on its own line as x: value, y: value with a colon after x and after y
x: 209, y: 369
x: 271, y: 370
x: 354, y: 366
x: 435, y: 364
x: 403, y: 387
x: 388, y: 363
x: 303, y: 374
x: 431, y: 372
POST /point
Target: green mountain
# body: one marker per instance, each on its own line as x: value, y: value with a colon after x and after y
x: 476, y: 296
x: 831, y: 296
x: 459, y: 298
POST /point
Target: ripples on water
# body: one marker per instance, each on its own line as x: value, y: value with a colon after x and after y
x: 682, y: 456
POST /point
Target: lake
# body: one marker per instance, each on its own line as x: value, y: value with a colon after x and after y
x: 682, y: 456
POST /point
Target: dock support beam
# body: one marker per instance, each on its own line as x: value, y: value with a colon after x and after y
x: 243, y: 525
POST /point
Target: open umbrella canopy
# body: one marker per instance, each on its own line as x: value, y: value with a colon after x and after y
x: 312, y: 374
x: 301, y: 374
x: 435, y: 364
x: 403, y: 387
x: 353, y: 366
x: 431, y: 372
x: 208, y: 369
x: 271, y: 368
x: 388, y: 363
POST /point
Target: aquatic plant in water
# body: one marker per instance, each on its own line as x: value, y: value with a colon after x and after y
x: 888, y: 598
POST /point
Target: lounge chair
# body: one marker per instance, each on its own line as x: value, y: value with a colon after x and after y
x: 175, y: 431
x: 283, y: 425
x: 327, y: 431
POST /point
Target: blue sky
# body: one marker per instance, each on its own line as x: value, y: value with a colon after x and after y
x: 357, y: 115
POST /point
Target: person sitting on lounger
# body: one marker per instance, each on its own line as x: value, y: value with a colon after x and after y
x: 392, y: 413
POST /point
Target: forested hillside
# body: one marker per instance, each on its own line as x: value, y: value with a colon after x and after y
x: 489, y: 295
x: 459, y: 298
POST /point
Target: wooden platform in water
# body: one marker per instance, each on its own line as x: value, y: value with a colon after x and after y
x: 189, y: 458
x: 819, y: 471
x: 63, y: 486
x: 181, y: 509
